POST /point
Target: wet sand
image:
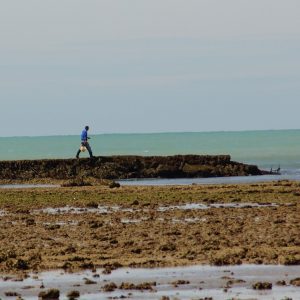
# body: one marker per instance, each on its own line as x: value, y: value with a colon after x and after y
x: 84, y: 228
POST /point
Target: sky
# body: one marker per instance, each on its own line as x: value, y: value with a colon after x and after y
x: 123, y: 66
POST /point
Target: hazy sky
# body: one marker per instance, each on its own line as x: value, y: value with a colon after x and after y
x: 148, y: 65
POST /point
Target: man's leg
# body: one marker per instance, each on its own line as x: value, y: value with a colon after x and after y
x: 88, y: 147
x: 78, y: 152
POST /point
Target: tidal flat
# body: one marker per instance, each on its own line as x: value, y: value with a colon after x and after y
x: 81, y: 230
x: 96, y: 226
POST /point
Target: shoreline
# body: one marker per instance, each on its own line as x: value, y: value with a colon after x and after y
x: 181, y: 282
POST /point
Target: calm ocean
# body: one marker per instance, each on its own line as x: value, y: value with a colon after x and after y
x: 264, y: 148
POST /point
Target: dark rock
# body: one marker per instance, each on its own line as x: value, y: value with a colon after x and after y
x: 122, y: 167
x: 52, y: 226
x: 135, y: 202
x: 92, y: 204
x: 142, y: 286
x: 49, y: 294
x: 262, y: 286
x: 21, y: 265
x: 110, y: 287
x: 136, y: 251
x: 73, y: 295
x: 114, y: 184
x: 11, y: 294
x: 281, y: 283
x: 168, y: 247
x: 95, y: 224
x: 180, y: 282
x: 290, y: 260
x: 87, y: 265
x: 30, y: 222
x: 295, y: 282
x: 89, y: 281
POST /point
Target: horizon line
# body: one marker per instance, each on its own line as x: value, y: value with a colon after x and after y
x: 152, y: 133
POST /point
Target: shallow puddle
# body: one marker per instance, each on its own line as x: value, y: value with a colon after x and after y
x: 133, y: 221
x: 61, y: 223
x: 209, y: 181
x: 81, y: 210
x: 189, y: 220
x: 111, y: 209
x: 70, y: 210
x: 196, y: 206
x: 177, y: 283
x: 27, y: 186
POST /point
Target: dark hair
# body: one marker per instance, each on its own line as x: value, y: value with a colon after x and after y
x: 87, y: 127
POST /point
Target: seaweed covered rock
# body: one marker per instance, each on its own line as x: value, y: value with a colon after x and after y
x: 125, y: 167
x: 262, y: 286
x: 51, y: 294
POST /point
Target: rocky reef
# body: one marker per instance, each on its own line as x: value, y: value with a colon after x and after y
x: 125, y: 167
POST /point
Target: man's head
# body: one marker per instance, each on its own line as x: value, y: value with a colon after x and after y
x: 87, y: 128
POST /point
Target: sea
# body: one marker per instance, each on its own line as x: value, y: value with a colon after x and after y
x: 269, y: 149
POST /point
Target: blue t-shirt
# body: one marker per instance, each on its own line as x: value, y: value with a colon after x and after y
x: 84, y: 135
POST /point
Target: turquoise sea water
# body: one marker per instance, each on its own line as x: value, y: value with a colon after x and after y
x: 264, y: 148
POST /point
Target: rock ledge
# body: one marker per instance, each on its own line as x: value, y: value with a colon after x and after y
x: 126, y: 167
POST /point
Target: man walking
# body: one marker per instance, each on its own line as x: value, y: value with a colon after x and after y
x: 84, y: 142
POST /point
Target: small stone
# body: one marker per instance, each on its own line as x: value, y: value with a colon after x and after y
x: 262, y: 286
x: 89, y: 281
x: 135, y: 202
x: 114, y: 184
x: 110, y: 287
x: 51, y: 294
x: 11, y: 294
x: 73, y: 295
x: 295, y: 282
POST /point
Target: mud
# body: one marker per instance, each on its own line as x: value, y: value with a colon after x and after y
x: 123, y: 167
